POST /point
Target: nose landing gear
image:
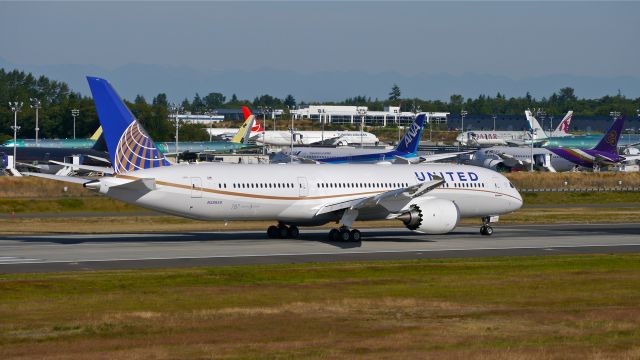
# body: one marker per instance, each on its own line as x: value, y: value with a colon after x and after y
x: 486, y: 229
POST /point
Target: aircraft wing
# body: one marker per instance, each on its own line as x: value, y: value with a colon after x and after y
x: 331, y: 141
x: 436, y: 157
x: 604, y: 159
x: 70, y: 179
x: 631, y: 157
x: 106, y: 161
x: 509, y: 160
x: 406, y: 193
x: 103, y: 169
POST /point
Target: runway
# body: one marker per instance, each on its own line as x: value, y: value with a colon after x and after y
x: 48, y: 253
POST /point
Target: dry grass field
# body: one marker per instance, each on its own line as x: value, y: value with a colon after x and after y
x: 525, y: 180
x: 553, y: 307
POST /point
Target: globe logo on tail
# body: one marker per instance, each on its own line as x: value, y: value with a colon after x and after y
x: 136, y: 151
x: 612, y: 137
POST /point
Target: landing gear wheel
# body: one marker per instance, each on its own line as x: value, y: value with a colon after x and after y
x: 283, y: 231
x: 345, y: 234
x: 334, y: 235
x: 355, y: 235
x: 486, y: 230
x: 273, y: 232
x: 293, y: 232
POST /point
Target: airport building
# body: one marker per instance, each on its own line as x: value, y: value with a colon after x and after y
x: 189, y: 118
x: 391, y: 115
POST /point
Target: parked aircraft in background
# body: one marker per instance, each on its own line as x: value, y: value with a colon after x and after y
x: 228, y: 133
x: 556, y: 159
x: 57, y: 143
x: 405, y: 152
x: 51, y: 160
x: 330, y: 137
x: 506, y: 138
x: 428, y: 198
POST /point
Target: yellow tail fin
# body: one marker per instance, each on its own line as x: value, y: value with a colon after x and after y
x: 96, y: 134
x: 243, y: 133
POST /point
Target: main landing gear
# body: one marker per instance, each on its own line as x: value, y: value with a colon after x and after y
x: 486, y: 229
x: 344, y: 234
x: 283, y: 231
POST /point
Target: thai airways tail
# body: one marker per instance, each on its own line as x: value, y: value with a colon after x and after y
x: 563, y: 127
x: 130, y: 147
x: 411, y: 139
x: 242, y: 136
x: 609, y: 142
x: 535, y: 125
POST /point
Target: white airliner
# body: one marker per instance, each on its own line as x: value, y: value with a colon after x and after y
x: 504, y: 138
x: 561, y: 130
x: 429, y: 198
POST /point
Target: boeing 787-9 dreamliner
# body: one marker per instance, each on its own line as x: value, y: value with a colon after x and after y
x: 427, y: 198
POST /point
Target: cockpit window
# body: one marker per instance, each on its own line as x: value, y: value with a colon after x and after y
x: 510, y: 184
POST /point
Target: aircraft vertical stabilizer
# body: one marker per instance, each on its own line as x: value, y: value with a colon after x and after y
x: 609, y: 142
x: 130, y: 148
x: 242, y: 136
x: 535, y: 125
x: 411, y: 139
x: 563, y: 127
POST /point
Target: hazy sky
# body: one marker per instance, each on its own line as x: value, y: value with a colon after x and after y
x: 516, y: 39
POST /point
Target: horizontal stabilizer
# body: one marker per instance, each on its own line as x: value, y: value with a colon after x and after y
x: 146, y: 184
x: 106, y: 170
x: 69, y: 179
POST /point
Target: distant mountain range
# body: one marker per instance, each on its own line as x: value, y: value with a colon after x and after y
x: 179, y: 82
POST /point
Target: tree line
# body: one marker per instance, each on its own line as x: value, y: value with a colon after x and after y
x: 57, y: 100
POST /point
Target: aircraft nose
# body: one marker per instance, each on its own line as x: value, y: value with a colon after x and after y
x: 517, y: 201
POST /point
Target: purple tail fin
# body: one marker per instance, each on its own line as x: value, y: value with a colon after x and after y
x: 609, y: 142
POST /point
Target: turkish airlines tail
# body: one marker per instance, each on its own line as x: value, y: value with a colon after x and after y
x: 257, y: 126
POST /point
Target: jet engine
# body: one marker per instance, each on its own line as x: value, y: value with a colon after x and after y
x: 431, y: 216
x: 497, y: 165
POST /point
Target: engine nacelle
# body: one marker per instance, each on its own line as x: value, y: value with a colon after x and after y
x: 431, y: 216
x: 497, y: 165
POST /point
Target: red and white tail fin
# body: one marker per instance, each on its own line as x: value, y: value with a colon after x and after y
x: 563, y: 127
x: 257, y: 126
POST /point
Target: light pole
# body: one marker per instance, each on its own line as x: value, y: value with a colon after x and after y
x: 35, y: 104
x: 177, y: 109
x: 463, y: 113
x: 533, y: 132
x: 292, y: 134
x: 550, y: 125
x: 540, y: 114
x: 362, y: 111
x: 15, y: 107
x: 494, y: 121
x: 320, y: 112
x: 74, y: 113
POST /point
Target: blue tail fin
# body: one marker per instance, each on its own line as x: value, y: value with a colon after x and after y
x: 609, y: 142
x: 130, y: 148
x: 411, y: 139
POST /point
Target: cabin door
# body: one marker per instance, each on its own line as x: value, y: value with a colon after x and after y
x: 196, y: 187
x: 303, y: 186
